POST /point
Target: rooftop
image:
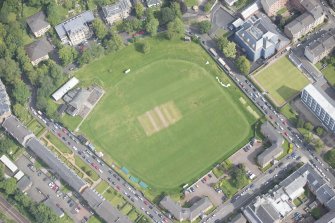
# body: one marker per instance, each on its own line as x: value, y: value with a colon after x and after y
x: 54, y: 207
x: 325, y: 42
x: 37, y: 22
x: 24, y: 183
x: 74, y: 24
x: 15, y: 128
x: 63, y: 171
x: 117, y: 8
x: 38, y: 49
x: 4, y: 100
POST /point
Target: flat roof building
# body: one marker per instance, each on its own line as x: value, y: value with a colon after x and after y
x: 65, y: 88
x: 8, y: 163
x: 321, y: 47
x: 75, y: 30
x: 275, y: 150
x: 320, y: 104
x: 278, y: 202
x: 54, y: 208
x: 24, y: 184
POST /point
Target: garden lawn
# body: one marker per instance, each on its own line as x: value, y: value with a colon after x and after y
x: 282, y: 80
x: 59, y: 144
x: 86, y: 168
x: 168, y: 120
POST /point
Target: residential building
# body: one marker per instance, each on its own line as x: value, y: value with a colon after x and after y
x: 239, y: 218
x: 278, y: 202
x: 119, y: 10
x: 271, y: 7
x: 4, y: 103
x: 38, y: 24
x: 24, y: 184
x: 38, y: 51
x: 230, y: 2
x: 17, y: 130
x: 65, y: 88
x: 259, y: 37
x: 153, y: 3
x: 275, y: 150
x: 186, y: 214
x: 58, y: 212
x: 320, y: 104
x: 312, y: 16
x: 76, y: 29
x: 327, y: 218
x: 251, y: 9
x: 321, y: 47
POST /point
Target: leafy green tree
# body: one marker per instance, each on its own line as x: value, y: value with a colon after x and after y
x: 9, y: 70
x: 175, y: 6
x: 330, y: 157
x: 151, y: 26
x: 230, y: 50
x: 22, y: 113
x: 308, y: 126
x: 84, y: 58
x: 115, y: 43
x: 21, y: 92
x: 52, y: 14
x: 243, y: 65
x: 22, y: 199
x: 139, y: 10
x: 318, y: 145
x: 207, y: 7
x: 238, y: 177
x: 205, y: 26
x: 99, y: 28
x: 320, y: 131
x: 67, y: 55
x: 175, y: 29
x: 300, y: 123
x: 222, y: 42
x: 167, y: 15
x: 8, y: 185
x: 145, y: 47
x: 43, y: 214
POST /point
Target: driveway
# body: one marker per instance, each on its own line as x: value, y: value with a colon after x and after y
x: 248, y: 157
x: 41, y: 190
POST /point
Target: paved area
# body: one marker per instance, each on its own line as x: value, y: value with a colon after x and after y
x: 41, y: 190
x: 10, y: 211
x: 221, y: 18
x: 247, y: 156
x: 204, y: 188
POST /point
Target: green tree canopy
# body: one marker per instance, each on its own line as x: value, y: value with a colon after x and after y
x: 243, y: 65
x: 139, y: 10
x: 99, y: 28
x: 175, y: 29
x: 205, y: 26
x: 67, y: 55
x: 21, y: 92
x: 151, y: 26
x: 167, y: 15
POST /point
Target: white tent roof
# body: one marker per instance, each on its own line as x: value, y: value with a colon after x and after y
x: 65, y: 88
x: 8, y: 163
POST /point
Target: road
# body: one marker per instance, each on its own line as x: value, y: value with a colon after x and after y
x: 8, y: 209
x: 105, y: 172
x: 282, y: 125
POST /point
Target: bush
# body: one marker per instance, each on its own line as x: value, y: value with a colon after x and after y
x: 204, y: 26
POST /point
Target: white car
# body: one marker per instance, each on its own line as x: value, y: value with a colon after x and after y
x: 75, y: 148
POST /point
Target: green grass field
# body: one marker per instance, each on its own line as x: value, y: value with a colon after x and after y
x: 328, y: 72
x: 282, y: 80
x: 168, y: 120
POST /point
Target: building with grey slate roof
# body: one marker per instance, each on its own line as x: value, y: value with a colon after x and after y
x: 103, y: 208
x: 327, y: 218
x: 38, y: 51
x: 17, y: 130
x: 321, y: 47
x: 4, y: 103
x: 63, y: 171
x: 75, y: 30
x: 259, y: 38
x: 24, y: 184
x: 271, y: 7
x: 239, y: 218
x: 119, y: 10
x: 153, y: 3
x: 38, y: 24
x: 312, y: 16
x: 278, y: 202
x: 54, y: 208
x: 184, y: 214
x: 275, y: 150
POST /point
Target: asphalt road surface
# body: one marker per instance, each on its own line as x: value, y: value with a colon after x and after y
x: 285, y: 128
x: 7, y: 208
x: 105, y: 172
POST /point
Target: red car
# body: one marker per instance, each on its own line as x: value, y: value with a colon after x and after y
x: 285, y: 133
x: 60, y: 135
x: 64, y: 130
x: 118, y: 187
x: 95, y: 166
x: 145, y: 202
x: 270, y: 116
